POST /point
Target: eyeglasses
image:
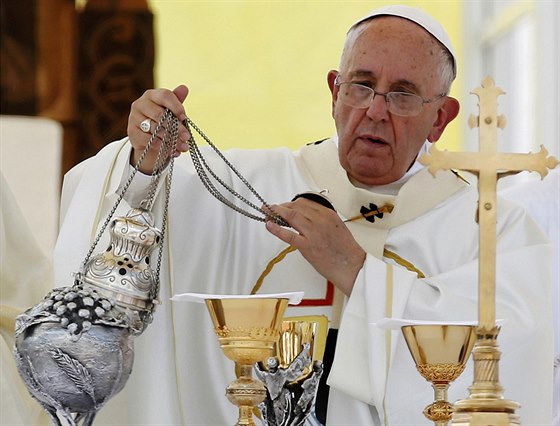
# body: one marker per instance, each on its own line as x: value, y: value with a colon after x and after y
x: 403, y: 104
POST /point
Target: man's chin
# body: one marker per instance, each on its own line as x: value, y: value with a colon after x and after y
x: 367, y: 179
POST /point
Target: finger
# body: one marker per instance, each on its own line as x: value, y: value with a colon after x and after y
x: 276, y: 211
x: 149, y: 105
x: 159, y: 99
x: 153, y: 103
x: 271, y: 212
x: 181, y: 147
x: 183, y: 136
x: 284, y: 234
x: 140, y: 140
x: 299, y: 215
x: 139, y: 135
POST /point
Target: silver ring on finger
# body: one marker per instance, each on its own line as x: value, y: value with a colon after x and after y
x: 146, y: 125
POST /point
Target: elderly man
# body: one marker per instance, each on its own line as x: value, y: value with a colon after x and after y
x: 401, y: 243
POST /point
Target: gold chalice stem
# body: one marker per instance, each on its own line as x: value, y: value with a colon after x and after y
x: 246, y: 392
x: 440, y: 410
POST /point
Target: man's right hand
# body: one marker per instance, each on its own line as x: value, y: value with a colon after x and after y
x: 152, y: 105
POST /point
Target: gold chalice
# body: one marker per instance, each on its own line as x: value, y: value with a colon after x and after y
x: 440, y: 352
x: 247, y: 329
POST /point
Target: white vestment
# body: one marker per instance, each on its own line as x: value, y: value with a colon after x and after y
x: 180, y: 374
x: 541, y: 199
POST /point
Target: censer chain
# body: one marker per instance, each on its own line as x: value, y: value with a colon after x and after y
x: 170, y: 123
x: 165, y: 153
x: 203, y: 169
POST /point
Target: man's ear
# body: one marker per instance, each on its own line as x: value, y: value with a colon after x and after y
x: 331, y: 77
x: 446, y: 113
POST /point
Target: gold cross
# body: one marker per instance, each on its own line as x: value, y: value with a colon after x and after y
x: 489, y: 165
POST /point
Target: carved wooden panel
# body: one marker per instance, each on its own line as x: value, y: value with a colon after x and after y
x: 115, y: 66
x: 18, y: 57
x: 82, y: 68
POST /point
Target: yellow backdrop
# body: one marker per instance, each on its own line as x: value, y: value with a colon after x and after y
x: 257, y: 70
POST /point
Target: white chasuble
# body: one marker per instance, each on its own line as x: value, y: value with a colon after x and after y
x: 180, y: 374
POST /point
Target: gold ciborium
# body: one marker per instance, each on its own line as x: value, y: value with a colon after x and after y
x: 247, y: 329
x: 440, y: 352
x: 295, y: 333
x: 291, y: 376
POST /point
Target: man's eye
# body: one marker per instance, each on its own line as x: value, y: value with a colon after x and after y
x: 404, y: 92
x: 403, y: 95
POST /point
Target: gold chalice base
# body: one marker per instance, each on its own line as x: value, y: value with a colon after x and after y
x: 440, y: 352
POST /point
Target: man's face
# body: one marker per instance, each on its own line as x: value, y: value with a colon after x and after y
x: 391, y: 54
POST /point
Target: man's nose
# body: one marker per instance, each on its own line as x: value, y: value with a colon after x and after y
x: 378, y: 109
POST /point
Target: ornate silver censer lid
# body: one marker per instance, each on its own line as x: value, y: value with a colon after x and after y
x: 123, y: 273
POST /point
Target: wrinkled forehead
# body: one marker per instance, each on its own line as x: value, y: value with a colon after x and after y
x: 395, y: 51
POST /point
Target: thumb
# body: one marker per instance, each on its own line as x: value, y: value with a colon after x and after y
x: 181, y: 92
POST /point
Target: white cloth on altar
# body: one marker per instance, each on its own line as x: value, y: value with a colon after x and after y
x: 180, y: 374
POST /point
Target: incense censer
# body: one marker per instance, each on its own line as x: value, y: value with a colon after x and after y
x: 74, y: 349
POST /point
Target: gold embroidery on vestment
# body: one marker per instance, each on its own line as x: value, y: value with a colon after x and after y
x: 403, y: 262
x: 387, y: 208
x: 269, y: 267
